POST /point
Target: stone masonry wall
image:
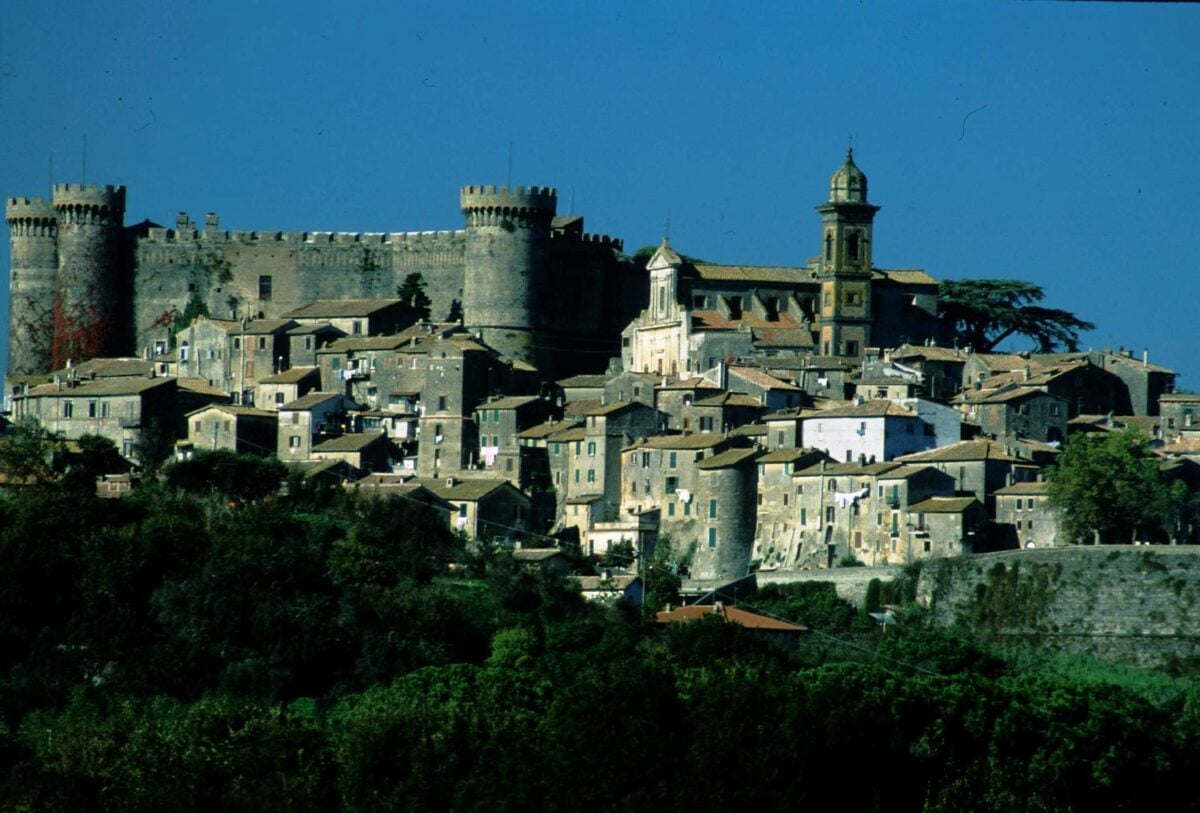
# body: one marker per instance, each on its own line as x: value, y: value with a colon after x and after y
x: 1132, y: 604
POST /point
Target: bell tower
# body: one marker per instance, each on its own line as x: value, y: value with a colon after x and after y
x: 845, y: 263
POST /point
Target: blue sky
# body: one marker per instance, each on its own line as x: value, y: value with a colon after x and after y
x: 1049, y: 142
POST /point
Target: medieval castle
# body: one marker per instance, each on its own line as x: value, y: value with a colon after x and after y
x: 532, y: 284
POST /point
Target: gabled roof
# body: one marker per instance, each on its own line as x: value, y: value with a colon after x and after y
x: 465, y: 490
x: 963, y: 452
x: 341, y: 308
x: 695, y: 383
x: 904, y: 472
x: 201, y: 387
x: 729, y: 399
x: 702, y: 440
x: 258, y: 327
x: 749, y: 430
x: 762, y: 378
x: 105, y: 368
x: 1038, y: 488
x: 749, y: 620
x: 99, y: 387
x: 352, y: 442
x: 847, y: 469
x: 237, y: 411
x: 613, y: 408
x: 293, y: 376
x: 754, y: 273
x: 782, y: 337
x: 944, y: 505
x: 953, y: 355
x: 352, y: 343
x: 313, y: 399
x: 313, y: 327
x: 790, y: 455
x: 585, y: 381
x: 878, y: 408
x: 509, y: 402
x: 568, y: 433
x: 905, y: 276
x: 545, y: 430
x: 728, y: 458
x: 581, y: 408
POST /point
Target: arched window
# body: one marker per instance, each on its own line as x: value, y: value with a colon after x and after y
x: 828, y: 247
x: 852, y: 246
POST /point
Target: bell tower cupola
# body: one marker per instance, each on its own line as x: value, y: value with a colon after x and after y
x: 844, y: 266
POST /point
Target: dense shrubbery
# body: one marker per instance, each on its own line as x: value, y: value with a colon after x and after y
x: 205, y: 644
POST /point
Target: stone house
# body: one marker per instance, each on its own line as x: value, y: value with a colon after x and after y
x: 356, y: 317
x: 946, y: 526
x: 241, y: 429
x: 367, y: 369
x: 364, y: 451
x: 233, y: 356
x: 115, y: 408
x: 723, y: 412
x: 979, y: 467
x: 1087, y: 388
x: 1024, y: 510
x: 594, y: 459
x: 484, y: 508
x: 880, y: 430
x: 1180, y: 413
x: 772, y: 392
x: 727, y: 492
x: 817, y: 376
x: 306, y: 340
x: 283, y: 388
x: 307, y: 421
x: 777, y: 530
x: 1018, y: 412
x: 499, y: 422
x: 674, y: 397
x: 1141, y: 383
x: 941, y: 368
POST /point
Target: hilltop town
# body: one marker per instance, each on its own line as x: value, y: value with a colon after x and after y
x: 542, y: 388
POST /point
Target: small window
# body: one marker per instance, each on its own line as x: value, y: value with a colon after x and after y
x: 712, y: 509
x: 279, y: 399
x: 671, y: 509
x: 294, y: 442
x: 196, y: 426
x: 91, y: 409
x: 591, y: 448
x: 264, y: 287
x: 356, y: 327
x: 262, y: 342
x: 671, y: 460
x: 591, y: 478
x: 712, y: 538
x: 670, y: 485
x: 441, y: 403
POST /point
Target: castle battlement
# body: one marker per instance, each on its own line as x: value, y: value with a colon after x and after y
x: 604, y: 240
x: 164, y: 235
x: 35, y: 208
x: 76, y: 194
x: 517, y: 198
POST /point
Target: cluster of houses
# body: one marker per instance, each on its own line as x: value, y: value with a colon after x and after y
x: 781, y: 462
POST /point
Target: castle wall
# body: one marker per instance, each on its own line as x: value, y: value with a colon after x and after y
x: 229, y: 271
x: 33, y: 226
x: 93, y: 285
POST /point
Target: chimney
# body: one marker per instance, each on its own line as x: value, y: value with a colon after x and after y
x: 1145, y: 356
x: 1027, y: 373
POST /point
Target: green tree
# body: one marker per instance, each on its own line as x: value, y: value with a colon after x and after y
x: 27, y: 452
x: 456, y: 311
x: 1112, y: 486
x: 412, y: 293
x: 983, y: 313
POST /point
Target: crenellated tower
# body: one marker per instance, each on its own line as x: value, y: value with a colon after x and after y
x: 33, y: 229
x: 93, y: 288
x: 847, y: 220
x: 507, y: 260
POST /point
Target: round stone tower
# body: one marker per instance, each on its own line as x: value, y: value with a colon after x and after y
x: 33, y: 226
x: 507, y: 250
x: 93, y: 281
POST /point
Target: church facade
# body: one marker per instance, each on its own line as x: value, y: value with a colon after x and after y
x: 836, y: 305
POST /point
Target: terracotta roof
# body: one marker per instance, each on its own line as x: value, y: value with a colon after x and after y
x: 567, y: 434
x: 732, y: 399
x: 907, y: 276
x: 761, y: 378
x: 783, y: 337
x: 585, y: 381
x: 749, y: 430
x: 509, y: 402
x: 943, y: 505
x: 312, y: 327
x: 867, y: 409
x: 728, y: 614
x: 964, y: 451
x: 463, y: 490
x: 314, y: 399
x: 103, y: 386
x: 579, y: 409
x: 1037, y: 488
x: 352, y: 442
x: 258, y: 327
x: 789, y: 455
x: 848, y: 469
x: 334, y: 308
x: 730, y: 457
x: 201, y: 387
x: 754, y: 273
x: 293, y: 376
x: 352, y: 343
x: 911, y: 351
x: 545, y: 430
x: 696, y: 383
x: 104, y: 368
x: 702, y: 440
x: 613, y: 408
x: 238, y: 411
